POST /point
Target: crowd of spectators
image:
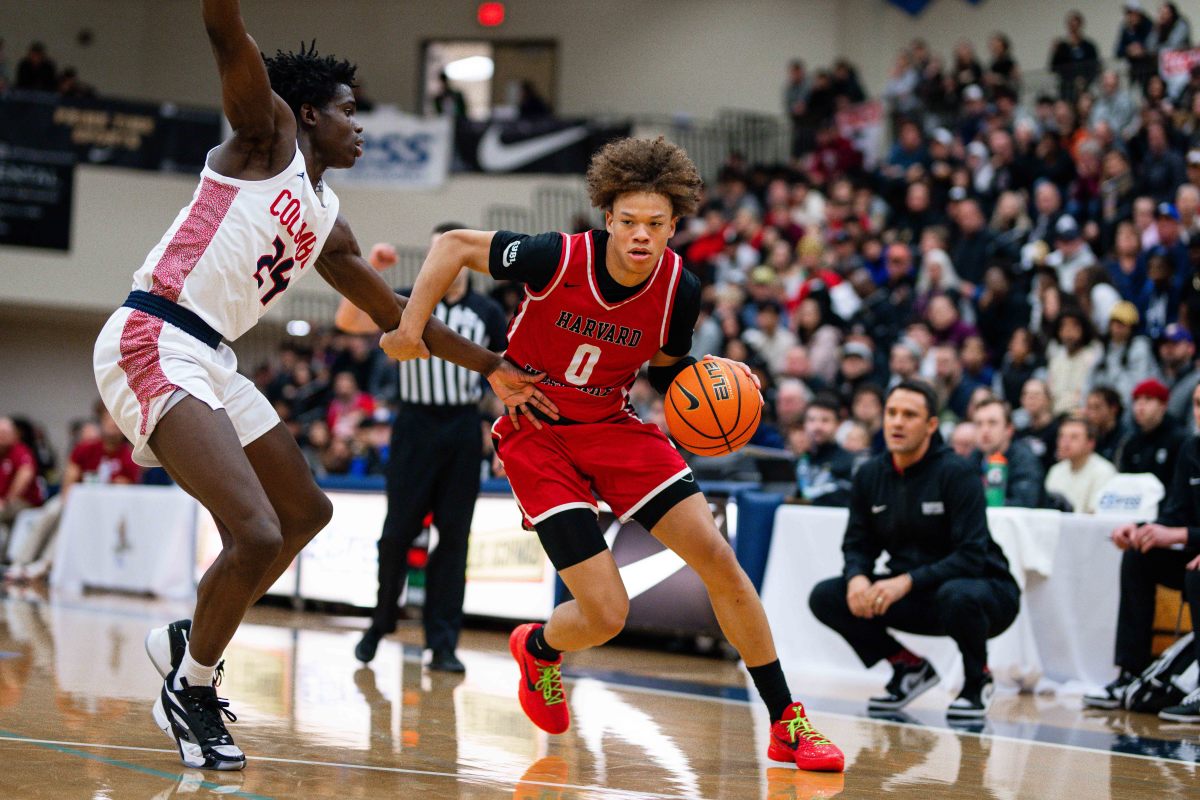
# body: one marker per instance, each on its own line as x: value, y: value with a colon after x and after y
x: 1043, y: 251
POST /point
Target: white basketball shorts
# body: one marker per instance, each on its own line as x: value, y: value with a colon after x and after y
x: 141, y: 362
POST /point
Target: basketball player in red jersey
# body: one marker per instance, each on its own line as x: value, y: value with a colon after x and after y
x: 172, y: 384
x: 598, y: 305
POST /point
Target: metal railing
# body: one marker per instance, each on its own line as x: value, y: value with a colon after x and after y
x: 759, y: 138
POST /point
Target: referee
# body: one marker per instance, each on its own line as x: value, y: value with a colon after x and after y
x: 433, y: 465
x: 945, y: 575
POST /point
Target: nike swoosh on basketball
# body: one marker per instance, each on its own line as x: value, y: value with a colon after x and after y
x: 693, y: 402
x: 496, y: 156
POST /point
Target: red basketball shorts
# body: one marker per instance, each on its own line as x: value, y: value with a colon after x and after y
x: 625, y: 461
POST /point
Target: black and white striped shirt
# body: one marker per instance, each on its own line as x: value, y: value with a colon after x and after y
x: 434, y: 382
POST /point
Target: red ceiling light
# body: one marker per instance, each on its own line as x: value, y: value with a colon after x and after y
x: 490, y: 14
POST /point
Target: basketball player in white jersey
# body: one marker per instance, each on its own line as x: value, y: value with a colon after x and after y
x: 261, y: 219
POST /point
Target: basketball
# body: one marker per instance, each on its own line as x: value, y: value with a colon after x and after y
x: 712, y: 408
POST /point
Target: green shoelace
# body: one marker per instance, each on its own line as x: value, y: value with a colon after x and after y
x: 805, y: 729
x: 550, y: 684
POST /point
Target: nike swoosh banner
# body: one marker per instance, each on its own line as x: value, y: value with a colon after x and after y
x: 547, y: 145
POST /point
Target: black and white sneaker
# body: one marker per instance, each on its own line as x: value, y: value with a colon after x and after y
x: 192, y: 718
x: 1187, y: 711
x: 1111, y: 696
x: 974, y: 700
x: 909, y: 681
x: 166, y: 646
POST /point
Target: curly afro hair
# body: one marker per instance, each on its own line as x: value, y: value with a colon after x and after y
x: 307, y: 77
x: 644, y: 165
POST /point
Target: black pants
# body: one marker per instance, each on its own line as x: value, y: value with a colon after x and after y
x: 968, y: 610
x: 433, y: 465
x: 1140, y: 574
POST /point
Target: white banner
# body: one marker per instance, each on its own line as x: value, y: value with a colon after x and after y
x: 1175, y: 66
x: 401, y: 151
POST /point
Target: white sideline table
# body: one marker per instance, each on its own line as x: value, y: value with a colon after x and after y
x: 1065, y: 630
x: 127, y: 538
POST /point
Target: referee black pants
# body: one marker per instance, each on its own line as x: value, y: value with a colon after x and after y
x: 433, y: 465
x: 1141, y: 574
x: 968, y: 610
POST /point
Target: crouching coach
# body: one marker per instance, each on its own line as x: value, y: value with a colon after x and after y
x: 945, y: 575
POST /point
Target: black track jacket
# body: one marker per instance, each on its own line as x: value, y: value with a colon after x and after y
x: 930, y: 519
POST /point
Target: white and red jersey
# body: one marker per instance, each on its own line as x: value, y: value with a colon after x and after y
x: 590, y: 349
x: 239, y: 244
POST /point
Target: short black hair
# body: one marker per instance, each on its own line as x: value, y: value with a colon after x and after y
x: 308, y: 77
x: 446, y: 227
x: 1109, y: 396
x: 826, y: 403
x: 920, y: 387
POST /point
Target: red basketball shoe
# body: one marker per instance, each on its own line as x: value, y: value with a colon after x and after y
x: 540, y: 687
x: 794, y: 739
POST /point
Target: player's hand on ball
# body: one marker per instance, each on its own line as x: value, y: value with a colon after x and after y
x: 383, y: 256
x: 401, y: 346
x: 517, y: 389
x: 739, y: 365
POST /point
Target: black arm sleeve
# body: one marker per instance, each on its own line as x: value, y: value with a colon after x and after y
x: 497, y: 328
x: 661, y: 378
x: 531, y: 260
x: 683, y: 316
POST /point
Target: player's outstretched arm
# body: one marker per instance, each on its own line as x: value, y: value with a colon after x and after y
x: 450, y: 253
x: 257, y: 115
x: 341, y: 264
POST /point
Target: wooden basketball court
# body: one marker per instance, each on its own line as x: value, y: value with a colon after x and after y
x: 76, y: 689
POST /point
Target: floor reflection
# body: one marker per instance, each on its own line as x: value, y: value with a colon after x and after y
x: 75, y: 689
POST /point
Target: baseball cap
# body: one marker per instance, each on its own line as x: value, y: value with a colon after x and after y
x: 943, y: 136
x: 1167, y: 210
x: 1124, y: 311
x: 972, y: 92
x: 1066, y: 228
x: 1152, y: 387
x: 1193, y: 156
x: 1176, y: 333
x: 840, y: 236
x: 958, y: 194
x: 857, y: 349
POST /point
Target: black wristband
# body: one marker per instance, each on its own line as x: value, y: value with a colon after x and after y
x: 661, y: 377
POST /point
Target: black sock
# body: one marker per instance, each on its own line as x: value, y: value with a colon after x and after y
x: 772, y: 688
x: 537, y: 647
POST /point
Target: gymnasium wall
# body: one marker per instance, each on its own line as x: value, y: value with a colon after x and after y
x: 154, y: 49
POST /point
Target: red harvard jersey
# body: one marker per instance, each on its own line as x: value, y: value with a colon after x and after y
x: 591, y: 350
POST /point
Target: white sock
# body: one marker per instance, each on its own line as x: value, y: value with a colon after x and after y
x: 196, y: 673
